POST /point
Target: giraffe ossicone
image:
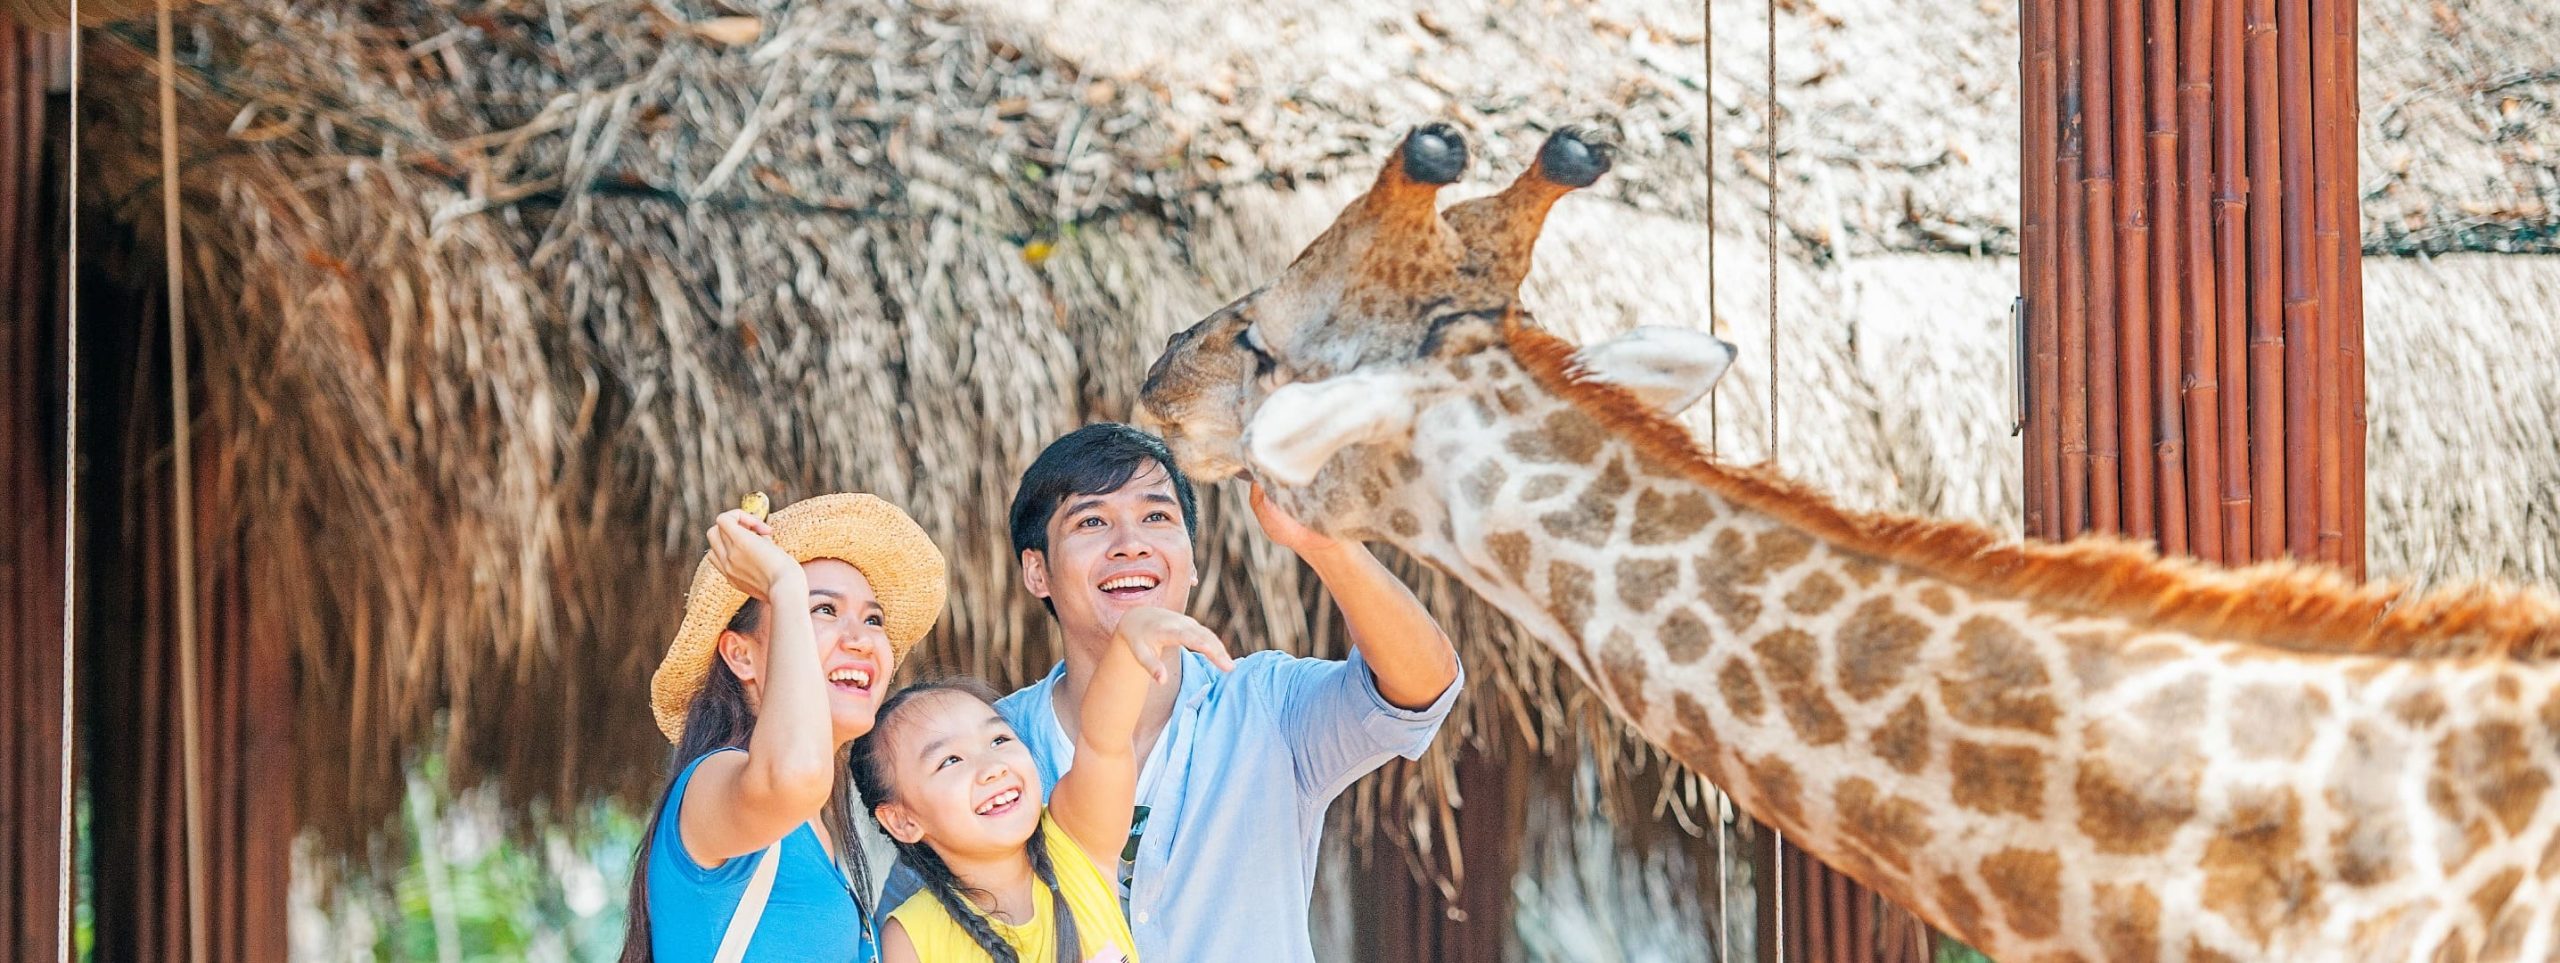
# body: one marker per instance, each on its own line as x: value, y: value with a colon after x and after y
x: 2077, y: 751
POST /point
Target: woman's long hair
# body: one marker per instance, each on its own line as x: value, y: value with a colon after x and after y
x: 871, y: 779
x: 719, y: 718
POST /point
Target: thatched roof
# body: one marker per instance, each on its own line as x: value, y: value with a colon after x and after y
x: 502, y: 300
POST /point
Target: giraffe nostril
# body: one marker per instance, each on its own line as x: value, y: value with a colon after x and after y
x: 1435, y: 154
x: 1573, y: 158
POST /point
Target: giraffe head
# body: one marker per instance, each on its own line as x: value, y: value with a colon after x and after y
x: 1364, y: 328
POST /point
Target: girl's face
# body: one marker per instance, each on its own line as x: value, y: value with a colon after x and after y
x: 961, y: 779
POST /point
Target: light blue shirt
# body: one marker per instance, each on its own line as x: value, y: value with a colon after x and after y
x: 1236, y: 790
x: 810, y: 914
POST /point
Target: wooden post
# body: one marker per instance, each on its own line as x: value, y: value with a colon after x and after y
x: 32, y: 484
x: 1399, y: 917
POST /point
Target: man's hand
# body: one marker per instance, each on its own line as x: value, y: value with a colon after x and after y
x: 1152, y: 633
x: 1286, y: 529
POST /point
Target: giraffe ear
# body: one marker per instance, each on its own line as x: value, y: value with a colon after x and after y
x: 1300, y: 426
x: 1668, y: 369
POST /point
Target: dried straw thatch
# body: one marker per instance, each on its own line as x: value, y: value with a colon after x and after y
x: 499, y: 301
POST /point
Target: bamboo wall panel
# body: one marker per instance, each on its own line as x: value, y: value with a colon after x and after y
x: 31, y: 484
x: 2194, y: 349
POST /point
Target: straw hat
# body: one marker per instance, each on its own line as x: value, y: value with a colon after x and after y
x: 873, y: 536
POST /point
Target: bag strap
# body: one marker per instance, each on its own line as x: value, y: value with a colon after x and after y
x: 742, y: 924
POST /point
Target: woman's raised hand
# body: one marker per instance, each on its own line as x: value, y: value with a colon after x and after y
x: 742, y: 549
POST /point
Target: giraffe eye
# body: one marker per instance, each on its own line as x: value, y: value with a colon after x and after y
x: 1263, y: 362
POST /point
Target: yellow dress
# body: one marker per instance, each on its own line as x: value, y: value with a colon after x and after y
x: 1099, y: 925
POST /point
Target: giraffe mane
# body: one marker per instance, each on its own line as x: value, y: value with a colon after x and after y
x: 2282, y: 605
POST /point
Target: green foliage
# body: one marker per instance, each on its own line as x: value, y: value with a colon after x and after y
x: 1950, y: 951
x: 472, y: 891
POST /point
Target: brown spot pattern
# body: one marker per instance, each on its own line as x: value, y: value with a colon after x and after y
x: 1877, y: 648
x: 1903, y: 740
x: 1814, y: 594
x: 2419, y: 707
x: 1956, y: 899
x: 1789, y: 658
x: 1569, y: 594
x: 1685, y: 637
x: 1644, y: 581
x: 1663, y: 518
x: 1776, y: 783
x: 1740, y: 690
x: 2497, y: 762
x: 2028, y: 886
x: 1593, y: 516
x: 1937, y: 599
x: 1861, y: 569
x: 1567, y: 435
x: 2254, y: 872
x: 1721, y: 584
x: 1996, y: 779
x: 1889, y: 828
x: 2134, y: 813
x: 1998, y: 681
x: 1404, y: 524
x: 2128, y: 922
x: 1481, y: 485
x: 1778, y: 550
x: 1510, y: 551
x: 1694, y: 741
x: 1543, y: 487
x: 1625, y: 668
x: 2493, y: 893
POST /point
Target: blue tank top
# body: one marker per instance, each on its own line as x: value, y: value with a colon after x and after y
x: 809, y: 916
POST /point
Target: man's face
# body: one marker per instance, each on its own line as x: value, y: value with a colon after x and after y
x: 1111, y: 554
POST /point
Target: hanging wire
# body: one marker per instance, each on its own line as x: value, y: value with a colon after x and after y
x: 182, y: 500
x: 1707, y: 123
x: 70, y: 508
x: 1771, y: 121
x: 1778, y: 854
x: 1715, y: 328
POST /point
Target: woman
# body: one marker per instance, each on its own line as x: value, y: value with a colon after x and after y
x: 791, y: 631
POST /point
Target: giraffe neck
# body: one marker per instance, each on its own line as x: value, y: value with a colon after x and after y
x: 2028, y: 779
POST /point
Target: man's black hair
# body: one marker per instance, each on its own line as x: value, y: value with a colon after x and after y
x: 1093, y: 460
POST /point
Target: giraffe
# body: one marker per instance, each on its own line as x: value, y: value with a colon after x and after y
x: 2052, y: 752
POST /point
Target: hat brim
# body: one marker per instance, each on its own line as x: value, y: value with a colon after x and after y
x: 890, y: 550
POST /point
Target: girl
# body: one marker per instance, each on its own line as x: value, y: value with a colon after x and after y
x: 1006, y: 879
x: 790, y: 634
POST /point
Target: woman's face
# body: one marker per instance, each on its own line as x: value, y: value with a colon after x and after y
x: 854, y: 656
x: 960, y: 778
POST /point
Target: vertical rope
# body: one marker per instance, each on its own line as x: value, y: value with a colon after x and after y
x: 1715, y: 322
x: 1778, y: 857
x: 182, y: 484
x: 1715, y: 419
x: 70, y: 505
x: 1772, y: 120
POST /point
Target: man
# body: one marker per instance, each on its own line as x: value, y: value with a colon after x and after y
x: 1238, y: 767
